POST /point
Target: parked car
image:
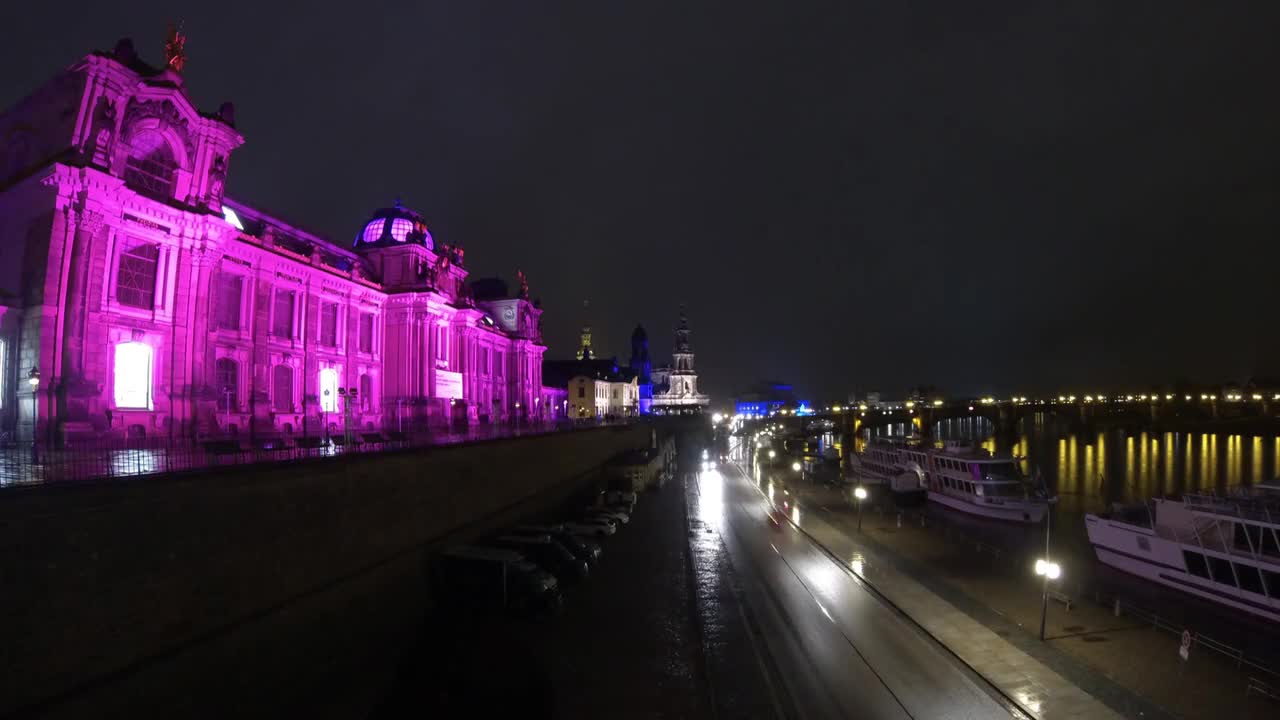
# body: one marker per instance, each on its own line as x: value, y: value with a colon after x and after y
x: 470, y: 578
x: 599, y: 527
x: 620, y: 497
x: 550, y: 554
x: 579, y: 545
x: 615, y: 514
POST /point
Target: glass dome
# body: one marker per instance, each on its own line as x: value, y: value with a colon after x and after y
x: 394, y: 226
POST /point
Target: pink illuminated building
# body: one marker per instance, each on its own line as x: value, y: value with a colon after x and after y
x: 151, y: 305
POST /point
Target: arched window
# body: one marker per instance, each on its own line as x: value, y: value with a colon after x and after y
x: 282, y: 388
x: 133, y: 376
x: 366, y: 392
x: 329, y: 390
x: 136, y: 276
x: 151, y: 167
x: 226, y: 376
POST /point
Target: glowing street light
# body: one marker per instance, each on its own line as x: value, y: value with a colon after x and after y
x: 860, y: 495
x: 772, y: 454
x: 797, y: 466
x: 717, y: 419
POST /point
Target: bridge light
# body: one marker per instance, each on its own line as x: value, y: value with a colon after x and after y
x: 1088, y: 398
x: 910, y: 404
x: 937, y: 403
x: 1071, y: 398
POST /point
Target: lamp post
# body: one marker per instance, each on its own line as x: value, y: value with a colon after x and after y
x: 517, y: 416
x: 33, y: 378
x: 1049, y: 571
x: 226, y: 414
x: 860, y: 493
x: 325, y: 403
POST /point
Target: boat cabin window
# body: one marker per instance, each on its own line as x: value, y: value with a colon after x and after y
x: 1250, y: 578
x: 1196, y: 564
x: 1221, y: 570
x: 1256, y: 538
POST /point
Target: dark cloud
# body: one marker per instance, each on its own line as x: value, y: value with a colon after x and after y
x: 845, y: 194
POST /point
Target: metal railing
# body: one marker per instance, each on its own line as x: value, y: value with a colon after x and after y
x: 23, y: 464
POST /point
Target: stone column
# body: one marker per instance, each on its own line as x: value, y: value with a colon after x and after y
x: 198, y: 368
x: 74, y: 390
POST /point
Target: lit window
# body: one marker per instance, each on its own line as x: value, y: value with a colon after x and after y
x: 282, y: 321
x: 226, y: 376
x: 282, y: 388
x: 151, y: 167
x: 329, y: 325
x: 227, y: 298
x: 329, y: 390
x: 400, y: 229
x: 136, y: 279
x: 133, y: 376
x: 366, y: 392
x: 373, y: 231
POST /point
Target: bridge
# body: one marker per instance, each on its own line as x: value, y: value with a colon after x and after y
x: 1005, y: 414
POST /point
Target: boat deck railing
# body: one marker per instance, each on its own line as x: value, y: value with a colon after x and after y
x: 1257, y: 509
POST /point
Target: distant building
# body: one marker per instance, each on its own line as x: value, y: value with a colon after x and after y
x: 643, y: 369
x: 595, y: 388
x: 764, y: 398
x: 675, y: 388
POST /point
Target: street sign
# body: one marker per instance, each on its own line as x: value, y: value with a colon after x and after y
x: 1184, y: 651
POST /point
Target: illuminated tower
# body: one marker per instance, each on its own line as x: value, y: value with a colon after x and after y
x: 584, y: 346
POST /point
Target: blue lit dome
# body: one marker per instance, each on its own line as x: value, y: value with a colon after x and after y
x: 394, y: 226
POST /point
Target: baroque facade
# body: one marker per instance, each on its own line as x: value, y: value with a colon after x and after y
x: 146, y: 303
x: 675, y: 387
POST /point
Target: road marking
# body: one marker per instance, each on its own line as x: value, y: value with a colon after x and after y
x: 775, y: 548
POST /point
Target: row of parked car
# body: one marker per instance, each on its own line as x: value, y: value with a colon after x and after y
x: 523, y: 569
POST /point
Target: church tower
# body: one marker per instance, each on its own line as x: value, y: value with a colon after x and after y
x: 584, y: 345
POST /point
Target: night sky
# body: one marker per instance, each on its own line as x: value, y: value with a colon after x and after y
x: 992, y: 197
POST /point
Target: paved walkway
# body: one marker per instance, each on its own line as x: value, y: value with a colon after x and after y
x: 1034, y: 687
x: 1122, y: 661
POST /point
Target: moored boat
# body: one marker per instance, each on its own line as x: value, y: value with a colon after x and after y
x: 1222, y: 549
x: 976, y: 483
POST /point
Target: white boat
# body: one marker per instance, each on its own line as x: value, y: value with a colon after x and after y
x: 976, y: 483
x: 882, y: 462
x: 1222, y: 549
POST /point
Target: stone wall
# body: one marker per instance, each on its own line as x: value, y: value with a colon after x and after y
x: 221, y: 592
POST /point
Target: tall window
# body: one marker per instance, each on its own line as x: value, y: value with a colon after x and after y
x: 366, y: 392
x: 329, y: 390
x: 282, y: 317
x: 151, y: 168
x: 227, y: 294
x: 136, y: 279
x: 500, y: 359
x: 329, y: 325
x: 226, y: 375
x: 366, y: 333
x: 133, y: 376
x: 282, y: 388
x: 484, y: 361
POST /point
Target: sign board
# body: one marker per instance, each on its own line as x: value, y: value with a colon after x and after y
x: 1184, y: 651
x: 448, y: 384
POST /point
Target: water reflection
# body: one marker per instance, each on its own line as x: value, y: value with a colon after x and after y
x: 1091, y: 470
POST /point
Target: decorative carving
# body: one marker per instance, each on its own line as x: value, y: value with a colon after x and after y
x: 175, y: 49
x: 166, y: 114
x: 89, y: 221
x: 137, y: 334
x: 104, y: 127
x: 217, y: 180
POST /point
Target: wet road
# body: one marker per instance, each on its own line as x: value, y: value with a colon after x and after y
x: 838, y: 650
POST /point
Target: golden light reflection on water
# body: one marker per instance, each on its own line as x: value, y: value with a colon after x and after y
x: 1091, y: 471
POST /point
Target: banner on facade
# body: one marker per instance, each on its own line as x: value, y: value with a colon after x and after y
x: 448, y: 384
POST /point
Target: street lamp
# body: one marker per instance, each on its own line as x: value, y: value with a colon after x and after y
x: 772, y: 454
x: 796, y: 466
x: 860, y: 493
x: 1049, y: 571
x: 33, y: 378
